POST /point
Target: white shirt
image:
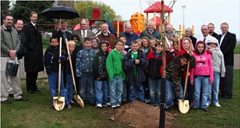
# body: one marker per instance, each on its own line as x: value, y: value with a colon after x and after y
x: 34, y: 24
x: 84, y: 33
x: 222, y: 37
x: 206, y: 38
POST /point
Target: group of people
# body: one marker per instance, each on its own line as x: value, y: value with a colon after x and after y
x: 109, y: 70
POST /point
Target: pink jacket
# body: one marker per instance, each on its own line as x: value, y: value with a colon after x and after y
x: 203, y: 66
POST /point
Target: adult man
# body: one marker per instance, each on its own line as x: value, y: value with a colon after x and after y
x: 83, y: 31
x: 188, y: 33
x: 211, y: 28
x: 33, y: 61
x: 129, y: 34
x: 150, y: 32
x: 227, y: 42
x: 169, y: 31
x: 62, y: 32
x: 205, y: 33
x: 9, y: 46
x: 105, y: 35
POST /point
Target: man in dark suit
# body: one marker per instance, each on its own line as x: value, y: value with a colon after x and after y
x: 33, y: 61
x: 227, y: 42
x: 211, y: 28
x: 83, y: 32
x: 62, y: 32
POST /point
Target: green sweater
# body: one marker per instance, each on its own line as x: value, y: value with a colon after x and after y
x: 114, y: 64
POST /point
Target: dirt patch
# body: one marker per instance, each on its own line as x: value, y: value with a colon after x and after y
x: 140, y: 115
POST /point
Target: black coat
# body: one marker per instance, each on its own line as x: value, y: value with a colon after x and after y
x: 33, y: 61
x: 99, y: 66
x: 59, y: 34
x: 227, y: 48
x: 128, y: 67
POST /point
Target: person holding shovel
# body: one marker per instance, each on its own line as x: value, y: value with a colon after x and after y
x: 51, y: 61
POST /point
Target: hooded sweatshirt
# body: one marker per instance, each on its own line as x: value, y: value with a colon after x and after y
x: 217, y: 57
x: 203, y: 65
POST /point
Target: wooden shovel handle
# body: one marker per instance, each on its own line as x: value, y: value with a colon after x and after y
x: 59, y: 67
x: 186, y: 80
x: 71, y: 67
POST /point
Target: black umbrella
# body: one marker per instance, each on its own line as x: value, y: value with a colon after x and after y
x: 60, y: 12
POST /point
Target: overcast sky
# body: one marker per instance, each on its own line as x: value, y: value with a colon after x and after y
x: 197, y: 12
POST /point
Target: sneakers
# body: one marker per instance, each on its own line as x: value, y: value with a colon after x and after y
x: 6, y: 102
x: 218, y: 105
x: 22, y: 99
x: 118, y: 105
x: 108, y: 104
x: 205, y: 109
x: 207, y: 104
x: 114, y: 106
x: 99, y: 106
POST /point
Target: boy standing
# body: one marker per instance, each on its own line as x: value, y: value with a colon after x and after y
x: 84, y: 62
x: 155, y: 70
x: 135, y: 63
x: 116, y: 74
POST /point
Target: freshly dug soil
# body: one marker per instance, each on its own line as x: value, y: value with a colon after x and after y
x: 140, y: 115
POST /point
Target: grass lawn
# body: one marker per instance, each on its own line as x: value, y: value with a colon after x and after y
x: 38, y: 113
x: 237, y: 49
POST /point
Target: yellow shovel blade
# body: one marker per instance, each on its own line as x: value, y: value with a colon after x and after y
x: 58, y: 103
x: 183, y: 106
x: 79, y: 100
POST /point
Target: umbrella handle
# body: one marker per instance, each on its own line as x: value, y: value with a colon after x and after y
x: 59, y: 67
x: 71, y: 67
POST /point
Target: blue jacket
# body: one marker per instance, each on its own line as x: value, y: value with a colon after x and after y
x: 129, y: 37
x: 129, y: 63
x: 84, y: 62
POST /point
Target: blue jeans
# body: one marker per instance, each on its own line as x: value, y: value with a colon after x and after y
x: 69, y: 87
x: 136, y: 90
x: 53, y: 86
x: 101, y: 91
x: 170, y: 93
x: 116, y: 89
x: 155, y: 91
x: 87, y: 85
x: 201, y: 82
x: 214, y: 89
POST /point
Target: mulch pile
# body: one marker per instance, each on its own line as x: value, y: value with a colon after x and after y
x: 140, y: 115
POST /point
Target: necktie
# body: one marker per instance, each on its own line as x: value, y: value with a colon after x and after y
x: 204, y: 39
x: 83, y: 34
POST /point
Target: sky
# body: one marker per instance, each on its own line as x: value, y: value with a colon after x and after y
x: 197, y: 12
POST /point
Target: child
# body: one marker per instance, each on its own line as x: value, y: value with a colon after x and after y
x: 171, y: 54
x: 218, y: 70
x: 201, y: 75
x: 95, y: 42
x: 51, y: 63
x: 69, y: 82
x: 116, y: 74
x: 139, y: 41
x: 78, y: 44
x: 176, y: 45
x: 174, y: 73
x: 146, y: 48
x: 101, y: 75
x: 155, y: 70
x: 135, y: 63
x: 123, y: 38
x: 84, y: 72
x: 152, y: 43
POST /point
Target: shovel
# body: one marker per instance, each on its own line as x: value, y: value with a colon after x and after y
x: 59, y: 102
x: 183, y: 105
x: 76, y: 96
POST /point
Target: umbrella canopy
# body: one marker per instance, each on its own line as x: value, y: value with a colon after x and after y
x: 60, y: 12
x: 156, y: 7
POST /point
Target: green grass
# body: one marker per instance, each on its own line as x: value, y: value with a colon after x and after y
x: 237, y: 49
x: 228, y: 116
x: 38, y: 113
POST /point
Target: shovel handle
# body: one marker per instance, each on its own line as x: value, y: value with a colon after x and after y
x: 71, y: 67
x: 59, y: 67
x: 186, y: 80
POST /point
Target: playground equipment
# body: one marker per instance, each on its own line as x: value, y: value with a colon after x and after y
x: 137, y: 21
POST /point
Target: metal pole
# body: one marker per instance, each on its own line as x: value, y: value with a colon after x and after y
x: 163, y: 81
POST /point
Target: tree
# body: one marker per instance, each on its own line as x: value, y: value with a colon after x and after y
x: 4, y: 9
x: 107, y: 12
x: 22, y: 10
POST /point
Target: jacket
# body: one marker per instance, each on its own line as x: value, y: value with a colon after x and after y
x: 114, y: 64
x: 78, y: 32
x: 155, y: 34
x: 217, y: 58
x: 84, y: 62
x: 9, y: 41
x: 33, y: 61
x: 99, y: 66
x: 59, y: 34
x: 129, y: 37
x: 203, y: 65
x: 129, y: 63
x: 155, y: 67
x: 110, y: 38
